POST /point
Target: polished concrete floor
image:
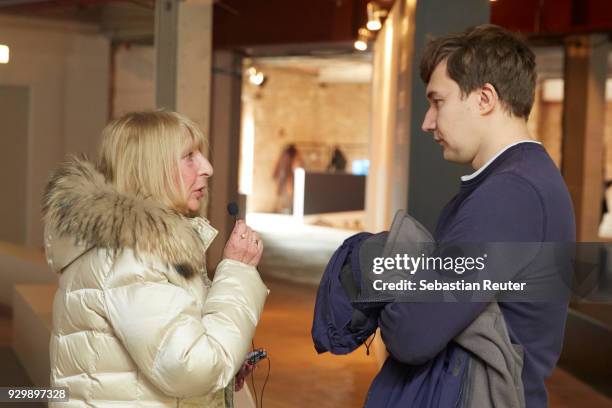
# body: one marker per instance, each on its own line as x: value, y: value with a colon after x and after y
x: 11, y: 371
x: 293, y: 251
x: 299, y: 377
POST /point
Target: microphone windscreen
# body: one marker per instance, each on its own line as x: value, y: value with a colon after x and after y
x: 232, y: 209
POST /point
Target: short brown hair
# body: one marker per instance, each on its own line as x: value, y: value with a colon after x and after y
x: 486, y: 54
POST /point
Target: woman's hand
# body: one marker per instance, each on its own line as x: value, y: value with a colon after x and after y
x: 243, y: 245
x: 243, y: 373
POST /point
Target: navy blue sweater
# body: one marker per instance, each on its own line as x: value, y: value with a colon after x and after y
x: 519, y: 197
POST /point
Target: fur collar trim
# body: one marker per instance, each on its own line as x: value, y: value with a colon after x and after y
x: 79, y: 203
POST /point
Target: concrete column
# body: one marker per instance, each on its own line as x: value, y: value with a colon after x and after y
x: 584, y: 107
x: 183, y: 43
x: 432, y: 180
x: 224, y: 147
x: 407, y: 169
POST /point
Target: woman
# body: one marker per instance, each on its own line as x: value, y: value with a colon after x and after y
x: 136, y: 321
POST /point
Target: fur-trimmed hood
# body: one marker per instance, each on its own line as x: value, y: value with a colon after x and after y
x: 81, y: 208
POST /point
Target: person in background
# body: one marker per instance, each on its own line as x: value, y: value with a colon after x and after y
x: 136, y: 320
x: 337, y: 163
x: 605, y: 226
x: 287, y: 162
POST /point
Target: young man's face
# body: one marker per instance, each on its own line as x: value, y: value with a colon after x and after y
x: 452, y: 119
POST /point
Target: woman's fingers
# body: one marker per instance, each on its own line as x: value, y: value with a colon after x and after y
x: 248, y: 243
x: 260, y: 249
x: 245, y: 239
x: 255, y: 250
x: 239, y: 229
x: 244, y: 245
x: 234, y: 248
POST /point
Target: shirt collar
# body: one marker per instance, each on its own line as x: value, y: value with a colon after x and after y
x: 475, y: 174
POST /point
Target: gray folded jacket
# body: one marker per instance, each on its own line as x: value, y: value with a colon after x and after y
x: 494, y: 372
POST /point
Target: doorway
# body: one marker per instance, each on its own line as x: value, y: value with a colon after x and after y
x: 305, y: 156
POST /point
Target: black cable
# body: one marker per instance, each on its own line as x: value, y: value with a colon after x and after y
x: 254, y: 389
x: 253, y: 377
x: 368, y: 345
x: 266, y: 381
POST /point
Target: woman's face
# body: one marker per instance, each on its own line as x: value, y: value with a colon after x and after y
x: 195, y: 170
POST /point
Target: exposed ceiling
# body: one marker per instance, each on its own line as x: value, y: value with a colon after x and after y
x: 329, y: 24
x: 120, y: 20
x: 553, y: 17
x: 321, y: 29
x: 237, y: 23
x: 79, y: 10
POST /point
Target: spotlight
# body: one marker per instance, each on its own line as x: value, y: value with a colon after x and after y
x: 360, y: 45
x: 374, y: 25
x: 363, y: 35
x: 375, y: 14
x: 256, y: 77
x: 4, y: 54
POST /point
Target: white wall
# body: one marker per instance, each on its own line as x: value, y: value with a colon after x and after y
x: 66, y: 67
x: 134, y: 88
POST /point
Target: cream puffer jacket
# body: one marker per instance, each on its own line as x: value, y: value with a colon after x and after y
x: 136, y: 321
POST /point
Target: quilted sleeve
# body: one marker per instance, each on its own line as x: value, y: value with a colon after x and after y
x: 184, y: 350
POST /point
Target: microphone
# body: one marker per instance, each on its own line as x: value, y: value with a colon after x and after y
x: 232, y: 209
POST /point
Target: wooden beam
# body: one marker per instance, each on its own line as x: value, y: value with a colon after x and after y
x: 584, y: 104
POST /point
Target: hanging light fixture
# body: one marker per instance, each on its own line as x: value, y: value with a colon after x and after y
x: 4, y: 54
x: 374, y: 24
x: 374, y: 15
x: 363, y: 36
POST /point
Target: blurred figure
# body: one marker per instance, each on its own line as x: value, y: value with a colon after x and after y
x: 136, y: 321
x: 287, y: 162
x: 605, y: 227
x: 338, y: 161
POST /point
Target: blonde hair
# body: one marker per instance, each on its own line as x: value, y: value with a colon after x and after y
x: 140, y: 154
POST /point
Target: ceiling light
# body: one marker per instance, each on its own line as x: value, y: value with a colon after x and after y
x: 375, y: 13
x: 360, y: 45
x: 4, y: 54
x: 256, y: 77
x: 363, y: 35
x: 374, y: 25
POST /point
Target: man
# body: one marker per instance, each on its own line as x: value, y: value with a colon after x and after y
x: 480, y: 86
